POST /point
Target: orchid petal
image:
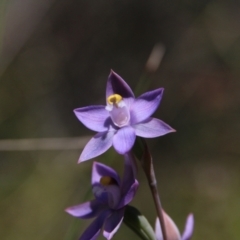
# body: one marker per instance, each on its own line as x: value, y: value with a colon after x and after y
x: 97, y: 145
x: 114, y: 195
x: 151, y: 128
x: 145, y: 105
x: 188, y: 231
x: 94, y: 229
x: 116, y: 85
x: 158, y: 230
x: 129, y: 195
x: 113, y: 223
x: 100, y: 170
x: 129, y: 173
x: 124, y: 139
x: 85, y: 210
x: 93, y: 117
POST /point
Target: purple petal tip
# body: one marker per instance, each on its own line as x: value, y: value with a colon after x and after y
x: 68, y: 210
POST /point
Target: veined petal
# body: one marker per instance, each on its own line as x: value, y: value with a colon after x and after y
x: 188, y: 231
x: 94, y: 229
x: 151, y: 128
x: 129, y: 195
x: 85, y: 210
x: 93, y: 117
x: 113, y: 223
x: 100, y: 170
x: 116, y: 85
x: 97, y: 145
x: 145, y: 105
x: 124, y: 139
x: 171, y: 229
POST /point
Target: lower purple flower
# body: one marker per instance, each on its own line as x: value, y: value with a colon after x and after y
x: 111, y: 196
x: 172, y: 230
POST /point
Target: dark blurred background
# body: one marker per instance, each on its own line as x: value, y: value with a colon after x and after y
x: 56, y: 56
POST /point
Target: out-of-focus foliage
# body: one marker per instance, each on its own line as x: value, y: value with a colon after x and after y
x: 56, y: 56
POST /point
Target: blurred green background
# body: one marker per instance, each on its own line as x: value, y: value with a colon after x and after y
x: 56, y: 56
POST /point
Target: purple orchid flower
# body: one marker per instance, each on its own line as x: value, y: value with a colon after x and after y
x: 172, y: 230
x: 111, y: 197
x: 122, y: 119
